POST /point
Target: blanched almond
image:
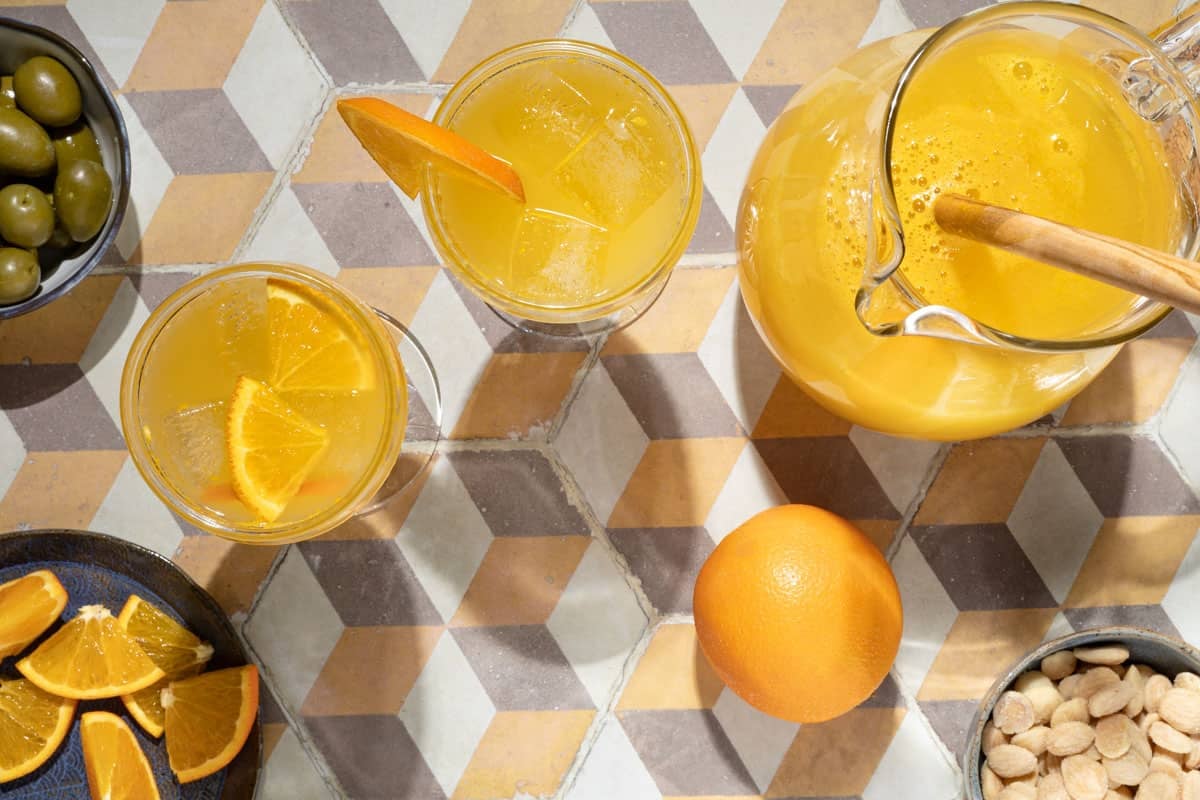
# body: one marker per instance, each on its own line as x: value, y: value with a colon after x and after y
x: 1134, y: 678
x: 1166, y: 763
x: 1009, y: 761
x: 1128, y: 770
x: 1013, y: 713
x: 1109, y: 654
x: 990, y: 783
x: 1073, y: 710
x: 1085, y: 779
x: 1156, y: 687
x: 1188, y: 680
x: 1070, y: 738
x: 1018, y: 791
x: 1069, y: 685
x: 1170, y: 739
x: 1094, y: 680
x: 1158, y: 786
x: 1052, y: 787
x: 1147, y: 719
x: 1034, y: 740
x: 1057, y: 666
x: 1190, y: 786
x: 1111, y: 699
x: 992, y: 736
x: 1139, y: 741
x: 1181, y: 708
x: 1113, y: 735
x: 1192, y: 759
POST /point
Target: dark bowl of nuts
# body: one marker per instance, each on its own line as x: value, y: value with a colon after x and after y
x: 1101, y: 714
x: 64, y: 167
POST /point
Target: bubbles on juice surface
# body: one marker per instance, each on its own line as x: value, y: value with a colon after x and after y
x: 192, y: 447
x: 559, y: 257
x: 553, y: 113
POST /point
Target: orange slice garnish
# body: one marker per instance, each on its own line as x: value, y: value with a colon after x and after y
x: 33, y: 724
x: 403, y: 143
x: 28, y: 606
x: 208, y: 719
x: 90, y: 658
x: 117, y: 769
x: 314, y: 347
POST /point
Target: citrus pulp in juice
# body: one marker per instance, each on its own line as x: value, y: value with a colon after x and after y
x: 1008, y: 116
x: 609, y: 185
x: 267, y: 400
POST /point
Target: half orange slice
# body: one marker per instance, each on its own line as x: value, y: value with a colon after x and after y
x: 117, y: 769
x: 33, y: 724
x: 208, y: 719
x: 403, y: 144
x: 28, y: 606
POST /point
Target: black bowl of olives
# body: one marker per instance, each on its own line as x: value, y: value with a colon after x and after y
x: 64, y: 167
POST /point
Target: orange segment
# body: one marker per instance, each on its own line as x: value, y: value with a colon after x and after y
x: 209, y: 718
x: 90, y: 658
x: 271, y: 448
x: 117, y: 769
x: 313, y: 346
x: 175, y: 649
x: 28, y: 606
x: 32, y: 726
x: 403, y: 143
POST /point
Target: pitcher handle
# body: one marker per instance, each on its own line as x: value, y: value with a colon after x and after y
x: 1179, y: 39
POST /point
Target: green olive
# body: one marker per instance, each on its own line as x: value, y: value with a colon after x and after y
x: 75, y: 142
x: 25, y: 147
x: 19, y: 275
x: 59, y: 239
x: 46, y: 91
x: 8, y: 98
x: 26, y: 219
x: 82, y: 197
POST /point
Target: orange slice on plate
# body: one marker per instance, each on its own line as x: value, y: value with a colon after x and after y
x: 208, y: 719
x: 271, y: 448
x: 403, y: 144
x: 175, y: 649
x: 90, y: 658
x: 314, y: 347
x: 117, y: 769
x: 28, y: 606
x: 33, y: 724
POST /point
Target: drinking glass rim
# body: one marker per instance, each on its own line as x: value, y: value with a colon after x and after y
x: 1079, y: 14
x: 492, y: 66
x: 367, y: 484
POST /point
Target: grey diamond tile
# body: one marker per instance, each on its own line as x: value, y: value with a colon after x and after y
x: 374, y: 758
x: 198, y: 131
x: 666, y: 561
x: 1128, y: 476
x: 504, y: 338
x: 951, y: 720
x: 369, y: 583
x: 58, y: 19
x: 364, y: 225
x: 926, y: 13
x: 667, y: 38
x: 769, y: 101
x: 672, y: 395
x: 53, y: 407
x: 354, y: 40
x: 522, y: 668
x: 982, y: 567
x: 713, y: 234
x: 158, y: 286
x: 687, y: 753
x: 1150, y: 617
x: 517, y: 492
x: 826, y: 471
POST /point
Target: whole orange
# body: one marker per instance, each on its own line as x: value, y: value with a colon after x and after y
x: 799, y: 613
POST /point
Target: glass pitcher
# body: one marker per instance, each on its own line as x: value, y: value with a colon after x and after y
x: 1056, y: 109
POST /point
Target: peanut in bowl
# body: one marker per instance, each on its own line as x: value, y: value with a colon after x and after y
x: 1069, y: 721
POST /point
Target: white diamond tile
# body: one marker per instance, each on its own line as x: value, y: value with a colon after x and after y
x: 928, y: 615
x: 412, y: 205
x: 726, y: 160
x: 148, y: 181
x: 274, y: 85
x: 1055, y: 521
x: 597, y: 623
x: 444, y: 538
x: 12, y: 454
x: 737, y: 29
x: 454, y: 343
x: 890, y: 20
x: 613, y: 770
x: 900, y: 465
x: 447, y: 712
x: 117, y: 38
x: 427, y: 28
x: 601, y: 442
x: 760, y: 740
x: 749, y: 489
x: 913, y: 767
x: 1180, y: 600
x: 733, y: 353
x: 132, y: 512
x: 294, y: 602
x: 586, y: 27
x: 287, y: 234
x: 289, y: 774
x: 103, y: 359
x: 1059, y: 626
x: 1180, y: 419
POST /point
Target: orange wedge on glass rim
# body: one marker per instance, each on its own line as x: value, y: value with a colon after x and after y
x: 33, y: 724
x: 90, y: 658
x: 403, y: 144
x: 117, y: 769
x: 208, y: 720
x: 28, y: 606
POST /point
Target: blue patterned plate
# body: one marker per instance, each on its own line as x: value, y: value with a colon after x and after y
x: 95, y: 568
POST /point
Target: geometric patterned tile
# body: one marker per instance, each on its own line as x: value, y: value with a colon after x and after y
x: 982, y: 567
x: 672, y: 395
x: 676, y: 482
x: 1134, y: 386
x: 979, y: 646
x: 175, y: 57
x: 672, y: 673
x: 354, y: 40
x: 1133, y: 561
x: 427, y: 28
x: 518, y: 395
x: 911, y: 752
x: 12, y: 454
x: 666, y: 561
x: 60, y: 489
x: 827, y: 472
x: 1179, y: 420
x: 761, y: 741
x: 738, y: 31
x: 518, y: 493
x: 369, y: 583
x: 363, y: 224
x: 951, y: 720
x: 287, y: 234
x: 522, y: 668
x: 613, y: 769
x: 520, y: 581
x: 836, y: 758
x: 687, y: 752
x: 374, y: 756
x: 900, y: 465
x: 1151, y: 617
x: 667, y: 38
x: 1129, y: 476
x: 232, y: 573
x: 59, y: 333
x: 289, y: 773
x: 808, y: 39
x: 201, y: 218
x: 198, y: 131
x: 489, y: 27
x: 749, y: 489
x: 1180, y: 600
x: 769, y: 101
x: 53, y: 407
x: 524, y: 753
x: 131, y: 509
x: 738, y: 361
x: 148, y: 183
x: 680, y: 317
x: 713, y: 233
x: 371, y: 670
x: 61, y: 20
x: 926, y: 13
x: 924, y: 632
x: 980, y: 482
